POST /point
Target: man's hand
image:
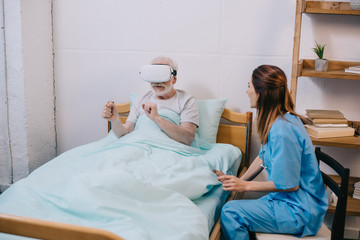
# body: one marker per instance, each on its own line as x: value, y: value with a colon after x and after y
x: 232, y: 183
x: 109, y: 111
x: 183, y: 133
x: 151, y: 111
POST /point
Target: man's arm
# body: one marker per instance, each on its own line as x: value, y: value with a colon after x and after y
x: 183, y: 133
x: 110, y: 113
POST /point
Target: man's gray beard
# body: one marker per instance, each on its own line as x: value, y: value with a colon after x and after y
x: 158, y: 85
x: 167, y: 89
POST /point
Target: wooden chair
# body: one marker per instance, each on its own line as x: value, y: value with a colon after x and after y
x: 338, y: 224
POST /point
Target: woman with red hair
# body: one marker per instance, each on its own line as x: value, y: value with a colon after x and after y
x: 297, y: 200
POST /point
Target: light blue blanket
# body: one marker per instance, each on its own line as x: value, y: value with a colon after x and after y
x: 139, y: 186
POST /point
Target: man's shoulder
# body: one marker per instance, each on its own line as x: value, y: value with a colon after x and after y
x: 183, y: 94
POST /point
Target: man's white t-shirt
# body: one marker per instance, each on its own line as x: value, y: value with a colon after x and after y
x: 182, y: 103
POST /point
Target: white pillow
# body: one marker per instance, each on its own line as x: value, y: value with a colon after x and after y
x: 210, y: 111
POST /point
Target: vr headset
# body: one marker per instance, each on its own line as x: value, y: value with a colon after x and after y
x: 157, y: 73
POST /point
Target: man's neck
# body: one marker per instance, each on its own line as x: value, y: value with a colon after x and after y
x: 170, y: 95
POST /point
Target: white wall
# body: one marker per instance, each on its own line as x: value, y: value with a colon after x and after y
x: 37, y: 49
x: 100, y: 46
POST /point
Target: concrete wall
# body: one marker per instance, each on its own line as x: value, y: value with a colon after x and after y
x: 27, y: 94
x: 5, y: 163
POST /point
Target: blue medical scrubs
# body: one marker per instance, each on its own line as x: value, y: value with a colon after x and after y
x: 290, y: 161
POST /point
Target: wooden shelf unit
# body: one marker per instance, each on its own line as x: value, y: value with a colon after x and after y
x: 346, y: 142
x: 353, y: 205
x: 324, y: 7
x: 335, y: 70
x: 306, y: 68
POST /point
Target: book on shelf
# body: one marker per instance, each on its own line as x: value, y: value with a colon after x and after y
x: 329, y: 121
x: 357, y: 196
x: 324, y: 114
x: 330, y: 125
x: 317, y: 132
x: 348, y: 70
x: 355, y: 68
x: 356, y: 193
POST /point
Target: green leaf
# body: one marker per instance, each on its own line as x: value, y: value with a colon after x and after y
x: 319, y: 50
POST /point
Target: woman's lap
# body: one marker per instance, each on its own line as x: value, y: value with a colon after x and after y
x: 258, y: 215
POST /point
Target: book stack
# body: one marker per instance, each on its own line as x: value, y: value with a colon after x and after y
x: 353, y: 69
x: 356, y: 193
x: 327, y: 123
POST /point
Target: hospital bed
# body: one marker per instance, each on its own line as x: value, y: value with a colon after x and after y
x: 234, y: 129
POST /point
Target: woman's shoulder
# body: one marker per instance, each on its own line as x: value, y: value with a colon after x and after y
x: 287, y: 120
x: 286, y: 123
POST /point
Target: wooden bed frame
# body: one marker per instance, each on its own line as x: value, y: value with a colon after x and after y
x: 235, y: 128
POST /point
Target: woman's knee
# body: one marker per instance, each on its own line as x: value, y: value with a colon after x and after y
x: 232, y: 225
x: 227, y: 211
x: 231, y: 214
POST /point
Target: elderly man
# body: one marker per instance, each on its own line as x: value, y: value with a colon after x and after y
x: 162, y: 96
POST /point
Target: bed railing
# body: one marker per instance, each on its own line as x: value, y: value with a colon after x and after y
x: 41, y: 229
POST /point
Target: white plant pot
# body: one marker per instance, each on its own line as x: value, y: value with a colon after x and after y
x: 355, y: 4
x: 321, y: 65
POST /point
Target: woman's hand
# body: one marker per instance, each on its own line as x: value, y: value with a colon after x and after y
x: 218, y: 173
x: 232, y: 183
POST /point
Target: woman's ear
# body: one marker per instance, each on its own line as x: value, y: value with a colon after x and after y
x: 174, y: 80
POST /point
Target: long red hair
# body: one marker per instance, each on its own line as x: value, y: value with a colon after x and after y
x: 274, y: 100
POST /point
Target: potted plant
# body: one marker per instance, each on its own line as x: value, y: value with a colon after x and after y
x: 355, y: 4
x: 321, y: 64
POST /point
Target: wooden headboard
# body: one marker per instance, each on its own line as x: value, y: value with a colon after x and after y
x: 235, y: 128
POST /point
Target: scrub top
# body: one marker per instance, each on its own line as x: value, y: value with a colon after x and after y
x: 290, y: 161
